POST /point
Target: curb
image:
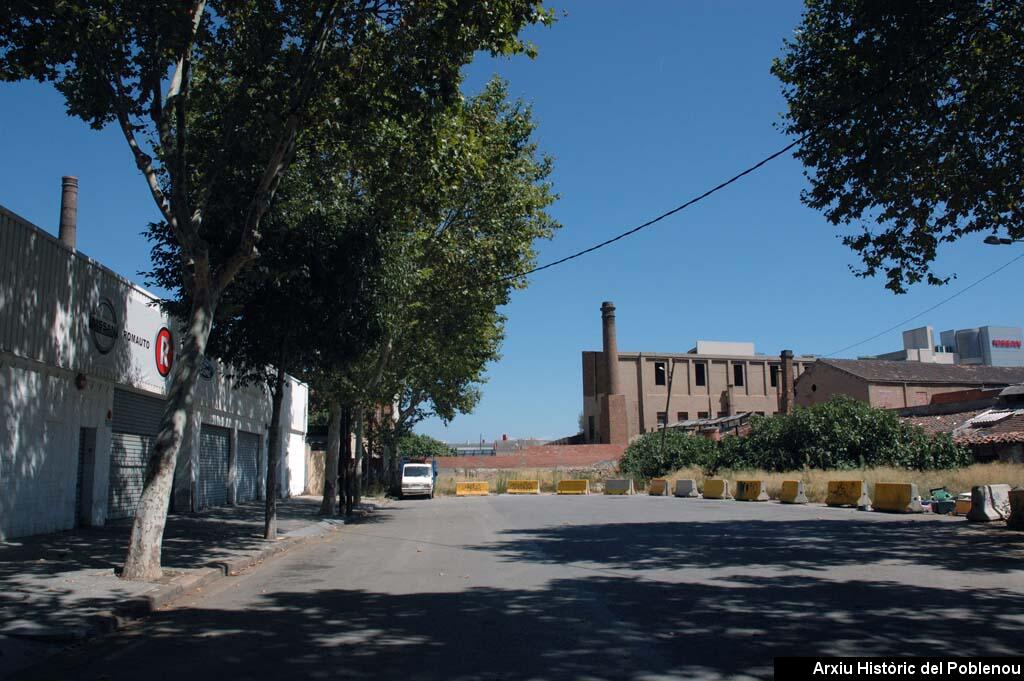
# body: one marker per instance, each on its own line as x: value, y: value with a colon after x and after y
x: 106, y: 622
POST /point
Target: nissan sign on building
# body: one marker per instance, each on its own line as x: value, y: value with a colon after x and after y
x: 1002, y: 346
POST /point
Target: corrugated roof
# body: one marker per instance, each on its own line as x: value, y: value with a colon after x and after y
x: 886, y: 371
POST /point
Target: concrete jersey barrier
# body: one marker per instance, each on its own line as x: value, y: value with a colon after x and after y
x: 751, y: 490
x: 989, y: 502
x: 686, y: 489
x: 658, y: 487
x: 716, y: 488
x: 1016, y: 519
x: 573, y: 487
x: 471, y: 489
x: 848, y: 493
x: 793, y: 492
x: 619, y: 486
x: 897, y: 497
x: 523, y: 487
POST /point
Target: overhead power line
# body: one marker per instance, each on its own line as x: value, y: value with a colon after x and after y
x: 842, y: 113
x: 933, y: 307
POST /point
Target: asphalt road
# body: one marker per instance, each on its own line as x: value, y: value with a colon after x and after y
x: 585, y: 588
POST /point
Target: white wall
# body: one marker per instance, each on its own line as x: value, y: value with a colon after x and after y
x: 52, y: 303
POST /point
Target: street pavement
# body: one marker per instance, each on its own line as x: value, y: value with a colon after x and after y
x: 584, y: 588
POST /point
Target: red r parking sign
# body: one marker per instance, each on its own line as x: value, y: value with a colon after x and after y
x: 164, y: 351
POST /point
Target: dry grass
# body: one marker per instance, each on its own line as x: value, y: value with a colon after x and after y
x: 498, y: 479
x: 816, y: 482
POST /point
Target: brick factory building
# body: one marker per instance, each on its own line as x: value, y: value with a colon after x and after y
x: 897, y: 384
x: 624, y: 393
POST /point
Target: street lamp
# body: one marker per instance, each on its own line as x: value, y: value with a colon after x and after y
x: 993, y: 240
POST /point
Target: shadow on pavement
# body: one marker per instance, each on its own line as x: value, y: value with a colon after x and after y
x: 589, y: 628
x: 604, y: 626
x: 59, y: 579
x: 814, y: 544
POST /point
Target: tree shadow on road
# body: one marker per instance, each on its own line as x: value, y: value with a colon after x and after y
x: 812, y: 544
x: 589, y: 628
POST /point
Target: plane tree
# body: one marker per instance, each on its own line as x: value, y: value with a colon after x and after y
x: 443, y: 323
x: 909, y: 114
x: 196, y: 88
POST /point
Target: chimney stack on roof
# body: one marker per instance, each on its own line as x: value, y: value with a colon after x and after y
x: 611, y: 348
x: 786, y: 369
x: 68, y: 232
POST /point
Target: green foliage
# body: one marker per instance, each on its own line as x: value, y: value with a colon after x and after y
x: 413, y: 445
x: 646, y: 458
x: 843, y: 433
x: 934, y: 157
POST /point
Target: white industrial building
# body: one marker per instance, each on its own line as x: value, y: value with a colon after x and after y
x: 85, y: 360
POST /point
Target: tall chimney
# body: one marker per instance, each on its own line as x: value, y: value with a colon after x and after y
x: 786, y: 371
x: 69, y: 211
x: 611, y: 349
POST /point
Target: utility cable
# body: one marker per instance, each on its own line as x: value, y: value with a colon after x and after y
x: 924, y: 312
x: 842, y: 113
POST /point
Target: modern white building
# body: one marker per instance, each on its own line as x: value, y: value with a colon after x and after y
x: 85, y: 360
x: 984, y: 346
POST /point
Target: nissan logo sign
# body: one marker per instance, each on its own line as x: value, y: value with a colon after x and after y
x: 103, y: 326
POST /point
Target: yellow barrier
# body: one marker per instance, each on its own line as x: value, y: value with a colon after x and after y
x: 619, y: 486
x: 848, y: 493
x: 658, y: 487
x: 523, y: 487
x: 471, y: 489
x: 751, y: 490
x: 897, y: 497
x: 716, y: 489
x: 573, y: 487
x: 962, y: 507
x: 793, y: 492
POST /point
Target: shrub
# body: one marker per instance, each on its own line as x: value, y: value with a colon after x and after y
x: 645, y: 458
x: 841, y: 434
x: 416, y: 446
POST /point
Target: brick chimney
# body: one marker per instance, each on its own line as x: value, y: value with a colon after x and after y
x: 614, y: 423
x: 68, y: 231
x: 786, y: 378
x: 610, y: 348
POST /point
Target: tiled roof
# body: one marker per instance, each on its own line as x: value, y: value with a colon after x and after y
x: 985, y: 437
x: 946, y: 423
x: 886, y: 371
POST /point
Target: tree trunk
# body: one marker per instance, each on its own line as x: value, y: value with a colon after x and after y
x: 357, y: 491
x: 273, y: 450
x: 345, y: 466
x: 146, y: 542
x: 331, y: 459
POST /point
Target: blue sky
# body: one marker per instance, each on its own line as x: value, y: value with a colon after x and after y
x: 642, y: 106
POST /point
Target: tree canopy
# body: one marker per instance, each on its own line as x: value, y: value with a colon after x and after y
x: 910, y: 117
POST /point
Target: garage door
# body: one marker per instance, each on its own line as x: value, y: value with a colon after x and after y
x: 135, y: 423
x: 248, y: 464
x: 214, y: 445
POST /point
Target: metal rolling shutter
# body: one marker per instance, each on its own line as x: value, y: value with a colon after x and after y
x: 214, y: 447
x: 136, y: 421
x: 247, y: 465
x: 80, y: 477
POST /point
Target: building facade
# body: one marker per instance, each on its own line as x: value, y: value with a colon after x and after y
x: 984, y: 345
x: 85, y: 362
x: 896, y: 384
x: 712, y: 380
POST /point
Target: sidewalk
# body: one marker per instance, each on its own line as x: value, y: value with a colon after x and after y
x: 61, y: 587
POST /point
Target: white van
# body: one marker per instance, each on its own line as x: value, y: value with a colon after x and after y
x: 418, y: 480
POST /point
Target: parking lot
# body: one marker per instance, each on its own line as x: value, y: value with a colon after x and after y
x: 590, y: 587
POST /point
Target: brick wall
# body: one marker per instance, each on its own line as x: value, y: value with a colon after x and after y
x: 546, y: 456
